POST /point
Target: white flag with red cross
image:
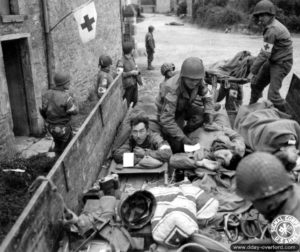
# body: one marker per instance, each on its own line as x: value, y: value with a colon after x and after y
x: 86, y: 18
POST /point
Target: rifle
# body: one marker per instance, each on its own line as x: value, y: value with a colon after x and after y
x: 213, y: 77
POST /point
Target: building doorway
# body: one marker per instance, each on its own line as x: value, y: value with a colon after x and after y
x: 14, y: 57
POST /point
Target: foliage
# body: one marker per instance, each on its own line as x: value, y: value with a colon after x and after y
x: 217, y: 16
x: 223, y: 13
x: 182, y: 8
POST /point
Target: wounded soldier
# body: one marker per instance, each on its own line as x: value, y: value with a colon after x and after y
x: 143, y: 143
x: 265, y: 128
x: 226, y: 150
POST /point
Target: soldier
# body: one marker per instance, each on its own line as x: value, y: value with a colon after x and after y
x: 104, y: 78
x: 262, y: 179
x: 57, y: 107
x: 186, y: 98
x: 275, y: 59
x: 143, y: 143
x: 130, y: 73
x: 265, y: 128
x: 150, y: 46
x: 167, y: 70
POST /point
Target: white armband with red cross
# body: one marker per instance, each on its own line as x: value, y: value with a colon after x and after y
x: 267, y: 47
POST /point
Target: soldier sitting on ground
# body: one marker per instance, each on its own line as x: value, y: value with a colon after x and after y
x: 57, y: 107
x: 104, y: 78
x: 262, y: 179
x: 142, y: 142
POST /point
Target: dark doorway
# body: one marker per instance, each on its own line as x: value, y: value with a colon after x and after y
x: 16, y: 85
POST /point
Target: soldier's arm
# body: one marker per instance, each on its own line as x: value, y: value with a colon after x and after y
x: 162, y: 150
x: 208, y: 101
x: 167, y: 117
x: 72, y: 108
x: 182, y: 161
x: 265, y: 52
x: 118, y: 153
x: 236, y: 139
x: 151, y: 44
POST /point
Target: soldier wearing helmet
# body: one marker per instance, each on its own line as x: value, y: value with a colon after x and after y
x: 262, y: 179
x: 167, y: 70
x: 275, y: 59
x: 150, y: 46
x: 186, y: 96
x: 130, y: 73
x: 104, y: 78
x: 57, y: 108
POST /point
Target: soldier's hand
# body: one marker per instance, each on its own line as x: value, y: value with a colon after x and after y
x: 188, y: 141
x: 139, y: 152
x: 134, y: 72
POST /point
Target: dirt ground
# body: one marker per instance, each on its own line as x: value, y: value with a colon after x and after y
x: 16, y: 175
x: 176, y: 43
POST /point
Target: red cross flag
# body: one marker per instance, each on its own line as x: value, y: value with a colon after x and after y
x: 86, y: 18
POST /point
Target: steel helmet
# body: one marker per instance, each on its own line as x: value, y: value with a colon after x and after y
x: 167, y: 67
x: 137, y: 209
x: 260, y: 175
x: 192, y: 68
x: 264, y: 6
x: 61, y: 79
x: 105, y: 61
x: 127, y: 47
x: 151, y: 28
x: 192, y: 247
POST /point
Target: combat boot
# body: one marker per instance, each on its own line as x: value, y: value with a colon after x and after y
x: 150, y: 67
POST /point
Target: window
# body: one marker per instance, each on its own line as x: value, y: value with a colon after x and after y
x: 9, y: 7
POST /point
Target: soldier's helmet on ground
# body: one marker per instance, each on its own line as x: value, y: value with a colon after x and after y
x: 264, y: 7
x: 166, y: 67
x: 192, y: 68
x: 105, y: 61
x: 261, y: 175
x: 61, y: 79
x: 137, y: 209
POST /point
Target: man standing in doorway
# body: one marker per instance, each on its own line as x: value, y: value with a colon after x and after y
x: 275, y: 59
x: 150, y: 46
x: 57, y: 108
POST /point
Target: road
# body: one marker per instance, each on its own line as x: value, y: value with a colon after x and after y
x: 175, y: 43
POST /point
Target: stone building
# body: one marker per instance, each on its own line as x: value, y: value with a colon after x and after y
x: 38, y: 37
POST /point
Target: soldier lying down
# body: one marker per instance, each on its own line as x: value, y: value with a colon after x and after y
x: 226, y: 151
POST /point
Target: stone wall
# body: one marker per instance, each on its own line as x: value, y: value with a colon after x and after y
x: 67, y: 52
x: 81, y: 60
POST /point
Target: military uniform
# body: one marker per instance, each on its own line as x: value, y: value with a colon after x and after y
x: 262, y: 179
x: 104, y: 79
x: 273, y: 63
x: 154, y: 145
x: 263, y: 129
x: 130, y: 82
x: 150, y: 47
x: 225, y: 139
x: 57, y: 107
x: 177, y: 106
